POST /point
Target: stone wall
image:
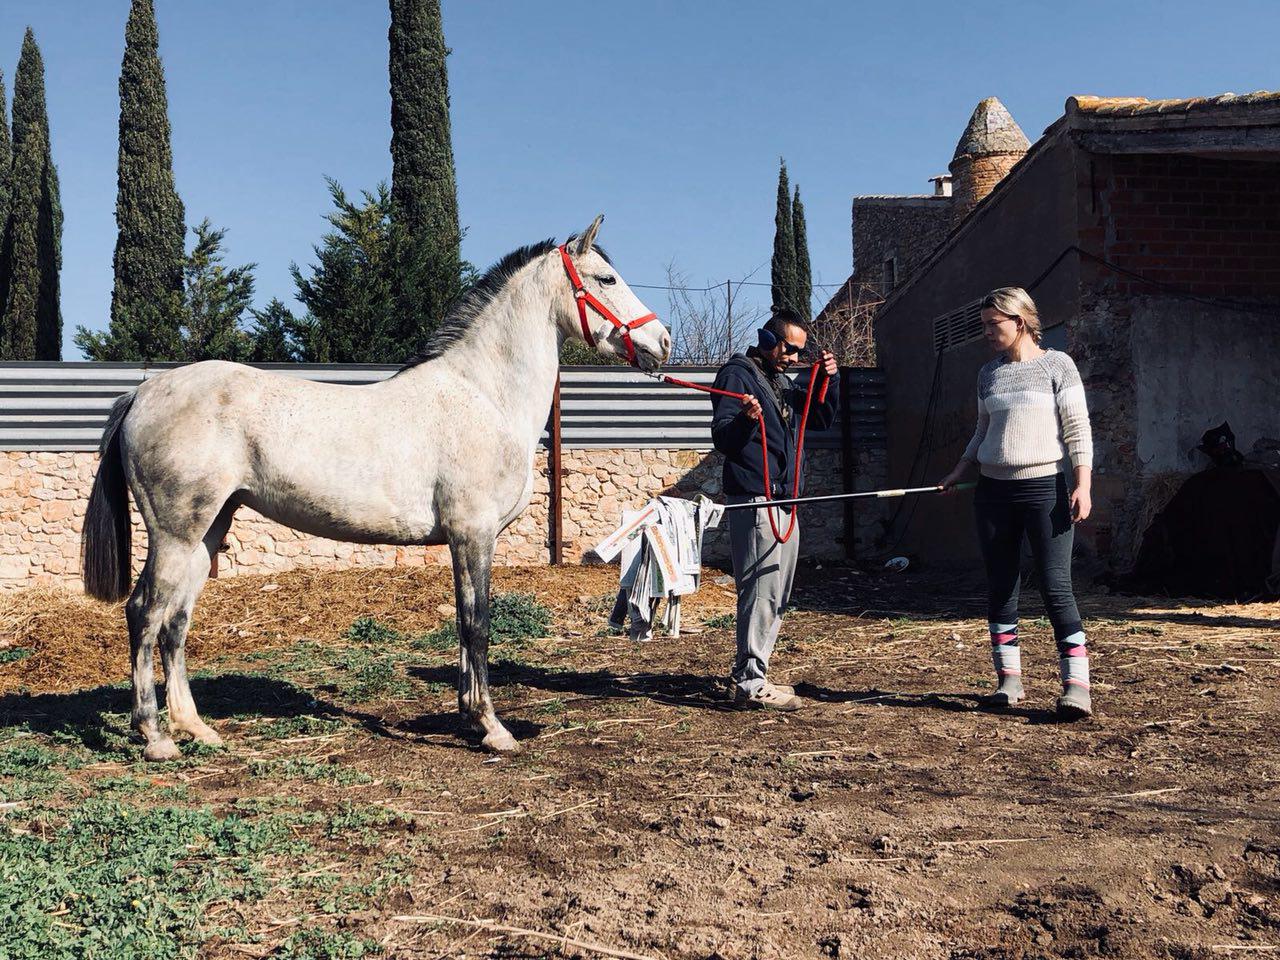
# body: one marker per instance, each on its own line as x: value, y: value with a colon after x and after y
x: 903, y: 229
x: 600, y: 484
x: 1160, y: 369
x: 43, y: 497
x: 1159, y: 372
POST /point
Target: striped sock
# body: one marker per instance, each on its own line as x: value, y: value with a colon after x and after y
x: 1006, y: 655
x: 1073, y: 661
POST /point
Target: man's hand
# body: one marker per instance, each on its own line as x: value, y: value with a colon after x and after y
x: 751, y: 407
x: 829, y: 363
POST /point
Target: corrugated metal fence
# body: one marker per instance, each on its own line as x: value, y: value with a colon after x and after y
x: 64, y: 406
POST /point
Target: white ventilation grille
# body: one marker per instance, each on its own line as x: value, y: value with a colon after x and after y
x: 959, y: 326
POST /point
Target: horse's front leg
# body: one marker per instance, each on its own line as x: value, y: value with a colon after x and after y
x: 472, y: 566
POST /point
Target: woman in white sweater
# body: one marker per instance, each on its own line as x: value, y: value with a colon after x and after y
x: 1034, y: 453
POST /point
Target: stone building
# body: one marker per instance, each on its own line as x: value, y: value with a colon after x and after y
x: 989, y: 147
x: 1148, y: 232
x: 893, y: 235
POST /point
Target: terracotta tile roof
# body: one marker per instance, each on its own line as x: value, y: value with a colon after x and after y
x: 1141, y: 106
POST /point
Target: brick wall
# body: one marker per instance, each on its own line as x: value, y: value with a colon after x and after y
x: 43, y: 496
x: 975, y: 177
x: 1197, y: 223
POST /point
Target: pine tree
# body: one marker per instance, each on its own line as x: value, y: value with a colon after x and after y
x: 803, y: 296
x: 274, y: 334
x: 426, y: 239
x: 349, y: 296
x: 32, y: 235
x: 146, y: 302
x: 784, y: 246
x: 217, y: 298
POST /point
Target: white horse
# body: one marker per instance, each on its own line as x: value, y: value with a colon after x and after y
x: 440, y: 453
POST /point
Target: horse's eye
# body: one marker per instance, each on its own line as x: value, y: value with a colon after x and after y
x: 607, y: 280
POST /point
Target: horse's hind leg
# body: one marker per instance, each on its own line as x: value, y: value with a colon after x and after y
x: 183, y: 717
x: 157, y: 598
x: 160, y: 609
x: 472, y: 565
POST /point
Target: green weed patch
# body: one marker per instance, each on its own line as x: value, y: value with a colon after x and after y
x: 317, y: 943
x: 514, y: 619
x: 297, y: 768
x: 110, y: 881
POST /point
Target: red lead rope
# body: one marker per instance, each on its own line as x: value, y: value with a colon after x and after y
x: 764, y: 443
x: 586, y: 299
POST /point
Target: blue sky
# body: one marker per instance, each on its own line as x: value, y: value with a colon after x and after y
x: 668, y: 117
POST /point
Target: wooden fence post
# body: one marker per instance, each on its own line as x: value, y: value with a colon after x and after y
x: 848, y: 469
x: 555, y: 519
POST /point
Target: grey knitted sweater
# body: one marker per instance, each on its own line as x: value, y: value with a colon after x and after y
x: 1032, y: 419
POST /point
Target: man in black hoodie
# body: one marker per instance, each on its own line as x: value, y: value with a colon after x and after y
x: 763, y: 568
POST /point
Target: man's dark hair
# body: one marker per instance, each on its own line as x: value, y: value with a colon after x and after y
x: 781, y: 319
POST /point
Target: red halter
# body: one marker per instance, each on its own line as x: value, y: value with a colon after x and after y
x: 585, y: 298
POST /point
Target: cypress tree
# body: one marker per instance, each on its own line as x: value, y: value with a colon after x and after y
x: 49, y: 253
x: 426, y: 238
x: 146, y: 302
x: 784, y: 246
x: 21, y: 252
x: 6, y: 161
x: 33, y: 230
x: 803, y: 297
x: 6, y: 166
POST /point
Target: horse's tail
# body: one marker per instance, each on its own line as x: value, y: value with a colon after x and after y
x: 107, y: 539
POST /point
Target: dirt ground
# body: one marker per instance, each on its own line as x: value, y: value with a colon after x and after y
x: 891, y: 819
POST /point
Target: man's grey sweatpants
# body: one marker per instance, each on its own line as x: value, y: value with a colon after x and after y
x: 763, y: 570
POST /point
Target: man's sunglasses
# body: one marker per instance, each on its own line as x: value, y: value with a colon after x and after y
x: 790, y: 349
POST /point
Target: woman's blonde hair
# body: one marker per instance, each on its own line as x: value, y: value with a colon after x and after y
x: 1015, y: 302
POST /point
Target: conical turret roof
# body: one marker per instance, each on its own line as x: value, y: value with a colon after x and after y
x: 991, y: 130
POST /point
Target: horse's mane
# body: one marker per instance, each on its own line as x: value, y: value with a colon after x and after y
x: 483, y: 291
x: 459, y: 319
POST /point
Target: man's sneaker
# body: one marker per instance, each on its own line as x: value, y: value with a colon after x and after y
x: 1075, y: 703
x: 768, y: 697
x: 1008, y: 694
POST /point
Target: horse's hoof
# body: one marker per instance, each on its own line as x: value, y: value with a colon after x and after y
x: 160, y: 750
x: 501, y: 742
x: 206, y: 735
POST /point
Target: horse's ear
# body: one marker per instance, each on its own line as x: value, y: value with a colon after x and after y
x: 588, y: 238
